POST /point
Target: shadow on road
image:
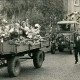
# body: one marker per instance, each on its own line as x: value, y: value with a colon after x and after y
x: 26, y: 70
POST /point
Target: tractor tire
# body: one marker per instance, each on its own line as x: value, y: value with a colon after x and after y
x: 61, y: 49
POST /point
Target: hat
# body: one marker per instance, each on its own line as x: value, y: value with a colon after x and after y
x: 23, y: 21
x: 16, y: 24
x: 37, y: 25
x: 75, y: 12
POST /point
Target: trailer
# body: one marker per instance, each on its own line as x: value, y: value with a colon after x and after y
x: 11, y: 53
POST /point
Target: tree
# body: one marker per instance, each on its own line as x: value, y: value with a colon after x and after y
x: 44, y: 12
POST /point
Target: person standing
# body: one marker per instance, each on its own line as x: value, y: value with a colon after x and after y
x: 25, y: 29
x: 36, y: 29
x: 77, y: 47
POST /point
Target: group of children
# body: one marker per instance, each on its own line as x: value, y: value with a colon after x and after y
x: 19, y: 29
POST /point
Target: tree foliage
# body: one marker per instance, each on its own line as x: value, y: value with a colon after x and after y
x: 37, y: 11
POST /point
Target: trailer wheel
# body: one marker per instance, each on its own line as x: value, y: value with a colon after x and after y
x: 71, y: 49
x: 14, y: 66
x: 38, y: 59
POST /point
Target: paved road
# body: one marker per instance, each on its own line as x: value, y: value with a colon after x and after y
x: 59, y: 66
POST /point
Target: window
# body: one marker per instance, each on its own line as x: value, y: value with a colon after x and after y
x: 76, y: 2
x: 65, y: 27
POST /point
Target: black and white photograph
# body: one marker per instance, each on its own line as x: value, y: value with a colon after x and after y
x: 39, y: 39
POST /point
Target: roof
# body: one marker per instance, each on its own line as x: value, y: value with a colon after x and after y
x: 67, y: 22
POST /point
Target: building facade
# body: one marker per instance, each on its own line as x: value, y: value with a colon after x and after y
x: 71, y: 6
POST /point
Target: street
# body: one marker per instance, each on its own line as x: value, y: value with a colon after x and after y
x: 59, y: 66
x: 28, y: 28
